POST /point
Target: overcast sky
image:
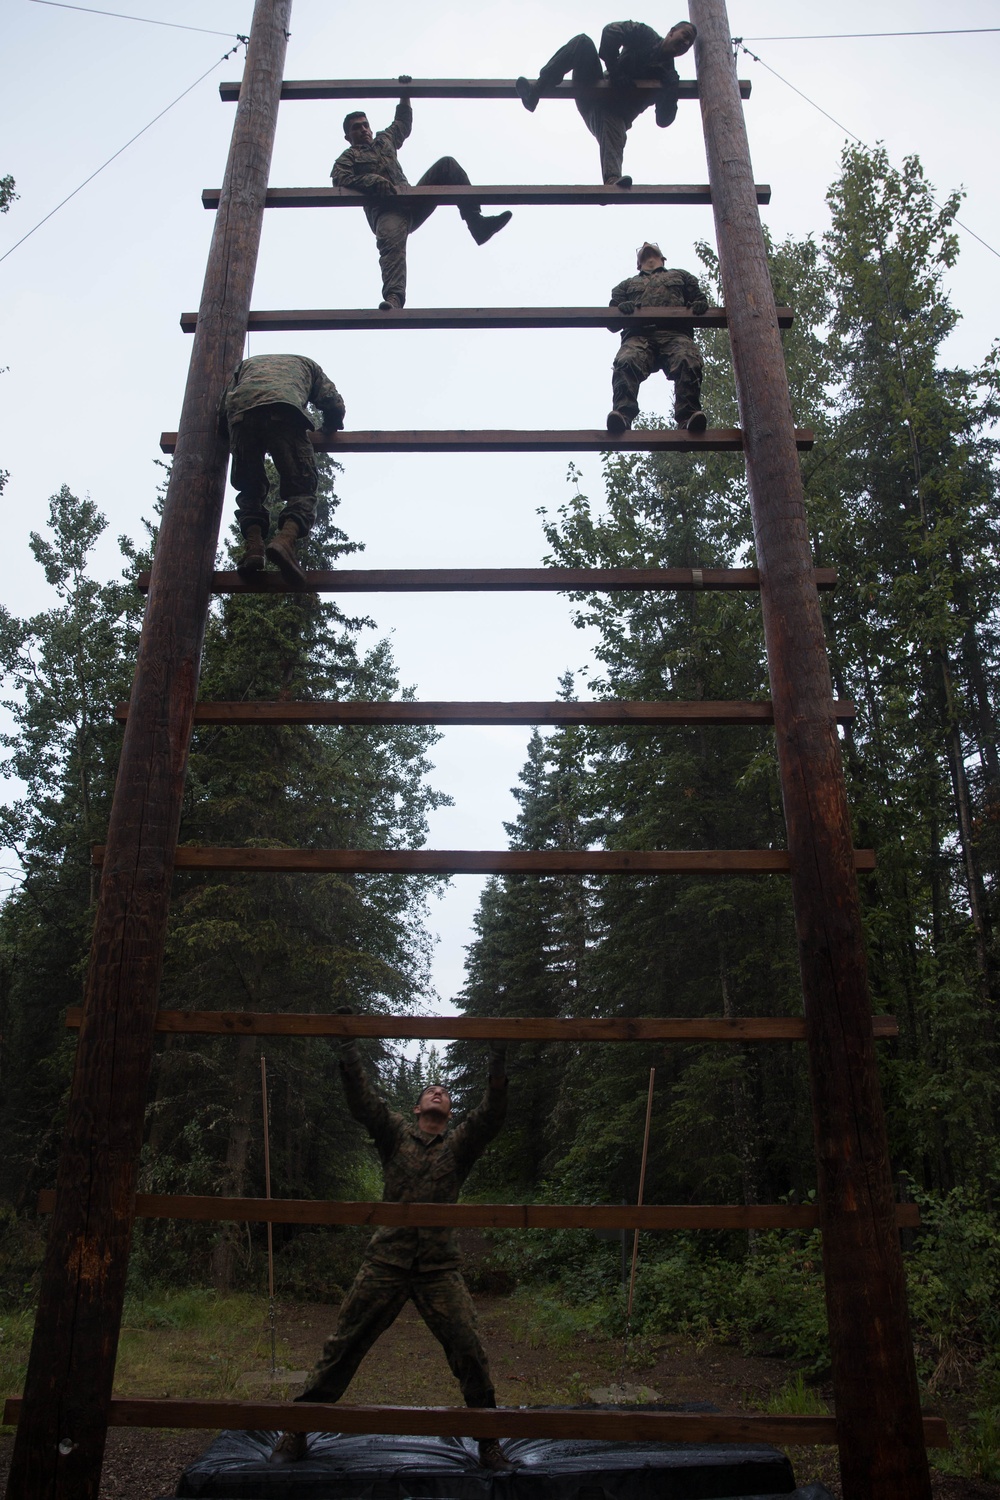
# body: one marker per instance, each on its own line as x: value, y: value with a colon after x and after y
x: 95, y: 359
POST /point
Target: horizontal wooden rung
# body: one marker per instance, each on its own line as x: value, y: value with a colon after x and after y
x: 492, y: 861
x: 587, y: 440
x: 509, y: 1028
x: 613, y: 712
x: 443, y: 88
x: 503, y: 580
x: 343, y: 319
x: 672, y: 1216
x: 483, y: 1422
x: 493, y: 194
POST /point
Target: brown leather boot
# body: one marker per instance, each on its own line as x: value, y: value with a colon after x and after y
x: 252, y: 560
x: 289, y: 1449
x: 491, y: 1456
x: 283, y: 550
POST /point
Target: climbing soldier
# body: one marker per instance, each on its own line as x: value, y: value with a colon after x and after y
x: 423, y: 1162
x: 370, y: 166
x: 264, y: 411
x: 631, y: 52
x: 649, y: 348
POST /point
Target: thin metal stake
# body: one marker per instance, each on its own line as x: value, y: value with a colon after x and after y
x: 635, y: 1237
x: 270, y: 1227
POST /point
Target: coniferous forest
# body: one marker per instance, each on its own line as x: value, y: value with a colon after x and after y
x: 903, y: 492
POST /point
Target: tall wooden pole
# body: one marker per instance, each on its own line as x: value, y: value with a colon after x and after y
x: 875, y: 1385
x: 60, y: 1438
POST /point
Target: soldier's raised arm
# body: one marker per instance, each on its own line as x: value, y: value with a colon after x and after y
x: 479, y: 1127
x: 402, y: 120
x: 365, y: 1104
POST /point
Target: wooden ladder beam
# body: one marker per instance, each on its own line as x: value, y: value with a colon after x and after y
x: 490, y: 861
x: 589, y: 440
x: 478, y: 1422
x: 670, y: 1216
x: 491, y: 195
x: 343, y: 319
x: 329, y: 711
x: 491, y: 580
x: 442, y: 88
x: 880, y: 1433
x: 485, y: 1028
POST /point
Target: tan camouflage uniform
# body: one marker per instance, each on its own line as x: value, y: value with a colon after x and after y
x: 264, y: 411
x: 367, y: 169
x: 629, y: 48
x: 418, y: 1264
x: 645, y: 350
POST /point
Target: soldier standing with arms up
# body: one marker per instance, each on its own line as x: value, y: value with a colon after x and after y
x: 423, y: 1162
x: 370, y: 166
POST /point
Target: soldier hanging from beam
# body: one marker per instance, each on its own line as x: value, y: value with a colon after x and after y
x: 645, y: 349
x: 423, y: 1162
x: 631, y: 51
x: 370, y: 166
x: 263, y: 411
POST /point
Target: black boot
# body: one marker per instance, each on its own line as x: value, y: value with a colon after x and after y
x: 491, y: 1456
x: 482, y: 228
x: 529, y: 93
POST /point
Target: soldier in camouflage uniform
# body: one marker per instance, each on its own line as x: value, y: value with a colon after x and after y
x: 644, y: 350
x: 370, y: 166
x: 630, y: 51
x: 422, y: 1162
x: 264, y: 411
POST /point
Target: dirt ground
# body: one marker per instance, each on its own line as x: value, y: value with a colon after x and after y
x: 532, y: 1365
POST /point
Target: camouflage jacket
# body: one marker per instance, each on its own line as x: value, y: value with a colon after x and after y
x: 282, y: 380
x: 629, y: 52
x: 364, y: 168
x: 419, y: 1168
x: 660, y: 288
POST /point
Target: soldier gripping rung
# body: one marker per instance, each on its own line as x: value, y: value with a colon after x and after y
x: 594, y: 440
x: 681, y: 1216
x: 381, y: 712
x: 682, y: 1029
x: 342, y: 319
x: 492, y: 195
x: 501, y: 580
x: 491, y: 861
x: 447, y: 88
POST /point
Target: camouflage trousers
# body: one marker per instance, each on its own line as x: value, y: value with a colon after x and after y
x: 378, y: 1296
x: 642, y: 353
x: 392, y: 226
x: 277, y: 431
x: 607, y: 121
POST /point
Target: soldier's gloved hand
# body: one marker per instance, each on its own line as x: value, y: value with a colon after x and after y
x: 378, y: 187
x: 333, y: 421
x: 498, y: 1061
x: 405, y: 78
x: 699, y: 307
x: 626, y: 307
x: 346, y: 1010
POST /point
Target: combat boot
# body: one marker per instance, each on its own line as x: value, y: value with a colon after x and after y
x: 482, y: 228
x: 696, y: 423
x: 283, y: 550
x: 618, y: 422
x: 252, y: 560
x: 392, y: 303
x: 290, y: 1448
x: 529, y: 93
x: 491, y: 1456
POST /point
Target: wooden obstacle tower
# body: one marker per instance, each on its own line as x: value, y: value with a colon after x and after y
x: 67, y: 1403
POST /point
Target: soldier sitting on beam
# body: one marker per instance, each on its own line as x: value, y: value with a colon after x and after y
x: 631, y: 52
x: 264, y: 412
x: 370, y: 166
x: 645, y: 349
x: 423, y: 1162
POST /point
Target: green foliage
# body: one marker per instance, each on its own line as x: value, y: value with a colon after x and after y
x: 796, y: 1399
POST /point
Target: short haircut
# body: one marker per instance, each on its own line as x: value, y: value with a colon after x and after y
x: 356, y: 114
x: 689, y: 24
x: 429, y: 1086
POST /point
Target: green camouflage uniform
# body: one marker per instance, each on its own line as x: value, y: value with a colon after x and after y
x: 367, y: 169
x: 264, y: 411
x: 422, y: 1264
x: 644, y: 350
x: 629, y: 49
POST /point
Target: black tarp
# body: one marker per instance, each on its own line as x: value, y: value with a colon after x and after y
x: 370, y: 1467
